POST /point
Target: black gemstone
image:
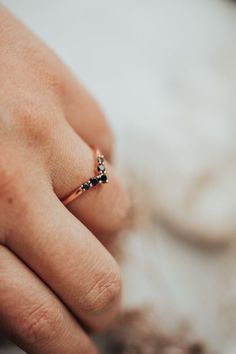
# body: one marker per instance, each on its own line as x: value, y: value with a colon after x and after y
x: 86, y: 186
x: 103, y: 178
x: 94, y: 181
x: 101, y: 168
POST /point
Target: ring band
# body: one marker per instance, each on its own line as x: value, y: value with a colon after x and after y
x: 99, y: 177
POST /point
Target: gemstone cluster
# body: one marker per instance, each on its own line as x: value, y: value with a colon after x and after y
x: 100, y: 177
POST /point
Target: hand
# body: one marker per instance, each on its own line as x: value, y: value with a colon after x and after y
x: 54, y: 273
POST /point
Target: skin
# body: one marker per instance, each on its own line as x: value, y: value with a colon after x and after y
x: 56, y: 276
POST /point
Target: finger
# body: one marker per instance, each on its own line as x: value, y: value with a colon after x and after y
x: 103, y: 209
x: 32, y: 316
x: 86, y: 117
x: 64, y: 253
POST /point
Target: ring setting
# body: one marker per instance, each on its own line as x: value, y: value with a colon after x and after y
x: 100, y: 177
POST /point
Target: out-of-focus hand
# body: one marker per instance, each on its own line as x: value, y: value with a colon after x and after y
x: 56, y: 278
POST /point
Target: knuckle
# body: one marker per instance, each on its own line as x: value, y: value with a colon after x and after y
x: 34, y: 123
x: 46, y: 68
x: 40, y: 326
x: 13, y: 185
x: 10, y: 177
x: 118, y: 211
x: 122, y: 210
x: 104, y: 292
x: 14, y: 203
x: 7, y: 180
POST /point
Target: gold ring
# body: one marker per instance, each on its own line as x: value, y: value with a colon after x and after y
x: 99, y: 177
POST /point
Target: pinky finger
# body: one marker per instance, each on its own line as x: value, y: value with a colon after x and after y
x: 32, y: 316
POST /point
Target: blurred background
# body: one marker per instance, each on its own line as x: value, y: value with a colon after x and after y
x: 164, y: 72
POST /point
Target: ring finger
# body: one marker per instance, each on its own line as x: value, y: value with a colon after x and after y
x: 104, y: 208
